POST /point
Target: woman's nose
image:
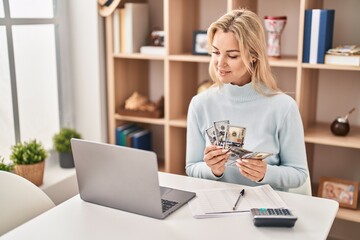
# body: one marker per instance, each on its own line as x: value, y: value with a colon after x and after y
x: 221, y: 61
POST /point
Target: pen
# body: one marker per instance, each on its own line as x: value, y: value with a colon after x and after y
x: 242, y: 192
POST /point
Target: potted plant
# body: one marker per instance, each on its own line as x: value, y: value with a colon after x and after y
x: 8, y: 167
x: 62, y: 145
x: 29, y: 159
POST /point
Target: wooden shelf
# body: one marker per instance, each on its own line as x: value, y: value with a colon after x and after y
x: 156, y: 121
x: 188, y: 57
x: 349, y: 214
x: 321, y: 134
x: 138, y: 56
x: 284, y: 61
x: 330, y: 67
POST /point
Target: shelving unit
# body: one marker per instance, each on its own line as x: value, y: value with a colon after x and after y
x: 178, y: 73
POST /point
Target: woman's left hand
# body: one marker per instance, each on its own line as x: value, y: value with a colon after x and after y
x: 253, y: 169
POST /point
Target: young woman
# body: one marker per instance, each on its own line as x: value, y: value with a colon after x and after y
x: 245, y: 93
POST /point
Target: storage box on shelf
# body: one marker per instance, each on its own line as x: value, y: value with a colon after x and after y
x: 180, y: 72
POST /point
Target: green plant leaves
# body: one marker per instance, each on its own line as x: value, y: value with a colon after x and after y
x: 61, y: 140
x: 28, y: 153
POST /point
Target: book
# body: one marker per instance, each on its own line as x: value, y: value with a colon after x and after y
x: 307, y: 34
x: 129, y: 137
x: 352, y: 60
x: 125, y: 133
x: 136, y: 26
x: 326, y: 31
x: 142, y: 140
x: 345, y: 50
x: 321, y: 34
x: 119, y: 130
x: 314, y: 35
x: 220, y: 202
x: 116, y: 30
x: 153, y: 50
x: 122, y: 30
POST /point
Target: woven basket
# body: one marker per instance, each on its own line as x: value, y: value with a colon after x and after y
x: 32, y: 172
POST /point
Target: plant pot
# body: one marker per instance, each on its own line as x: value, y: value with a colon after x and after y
x: 32, y: 172
x: 66, y: 160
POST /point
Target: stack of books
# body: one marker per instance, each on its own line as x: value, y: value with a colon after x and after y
x: 318, y: 34
x: 348, y: 55
x: 132, y: 135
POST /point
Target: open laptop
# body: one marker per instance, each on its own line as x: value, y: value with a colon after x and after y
x: 124, y: 178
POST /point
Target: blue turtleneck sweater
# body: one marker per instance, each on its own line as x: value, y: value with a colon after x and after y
x: 273, y: 124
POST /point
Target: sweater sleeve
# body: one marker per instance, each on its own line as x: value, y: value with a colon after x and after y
x: 195, y: 145
x: 292, y: 170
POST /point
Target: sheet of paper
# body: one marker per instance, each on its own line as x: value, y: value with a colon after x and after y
x: 220, y: 202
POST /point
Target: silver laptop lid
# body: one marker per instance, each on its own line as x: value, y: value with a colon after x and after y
x: 118, y: 177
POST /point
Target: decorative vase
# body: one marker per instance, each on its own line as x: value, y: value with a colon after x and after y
x: 32, y: 172
x: 66, y: 160
x: 274, y: 25
x: 341, y: 126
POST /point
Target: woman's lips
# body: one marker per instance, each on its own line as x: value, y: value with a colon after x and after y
x: 223, y: 72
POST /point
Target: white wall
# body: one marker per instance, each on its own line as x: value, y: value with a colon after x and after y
x: 87, y: 69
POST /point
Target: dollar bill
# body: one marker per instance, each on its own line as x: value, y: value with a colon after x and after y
x: 244, y: 153
x: 234, y: 136
x: 257, y: 155
x: 210, y: 132
x: 220, y: 130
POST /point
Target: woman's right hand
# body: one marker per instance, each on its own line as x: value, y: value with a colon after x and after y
x: 215, y: 157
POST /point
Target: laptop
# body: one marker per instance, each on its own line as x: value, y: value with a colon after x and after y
x: 124, y: 178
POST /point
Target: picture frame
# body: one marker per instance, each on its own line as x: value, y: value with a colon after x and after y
x: 343, y: 191
x: 200, y: 43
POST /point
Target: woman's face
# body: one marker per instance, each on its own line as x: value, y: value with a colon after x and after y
x: 226, y: 59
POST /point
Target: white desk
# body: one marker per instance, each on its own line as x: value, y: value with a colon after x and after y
x: 76, y: 219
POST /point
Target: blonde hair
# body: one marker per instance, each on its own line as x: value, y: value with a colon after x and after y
x: 250, y: 35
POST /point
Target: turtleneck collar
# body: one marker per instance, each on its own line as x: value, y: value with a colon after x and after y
x: 237, y: 93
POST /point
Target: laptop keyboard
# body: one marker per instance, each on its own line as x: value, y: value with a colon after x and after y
x: 167, y: 204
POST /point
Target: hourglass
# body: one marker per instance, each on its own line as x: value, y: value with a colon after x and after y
x: 274, y: 26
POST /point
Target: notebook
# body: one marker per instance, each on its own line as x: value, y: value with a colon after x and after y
x: 124, y: 178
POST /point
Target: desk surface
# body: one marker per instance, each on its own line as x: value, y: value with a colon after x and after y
x: 76, y: 219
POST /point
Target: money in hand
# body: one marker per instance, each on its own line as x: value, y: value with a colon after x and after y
x: 210, y: 132
x: 235, y: 136
x: 220, y: 130
x: 232, y: 137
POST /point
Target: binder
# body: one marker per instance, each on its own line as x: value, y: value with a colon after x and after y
x: 307, y: 35
x: 126, y: 132
x: 326, y: 31
x: 119, y: 130
x: 129, y: 137
x: 322, y: 29
x: 314, y: 38
x: 142, y: 140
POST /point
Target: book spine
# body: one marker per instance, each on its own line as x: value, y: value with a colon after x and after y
x: 326, y: 29
x: 307, y: 35
x: 142, y: 140
x: 117, y: 136
x: 314, y: 38
x: 128, y: 27
x: 116, y: 30
x: 122, y: 30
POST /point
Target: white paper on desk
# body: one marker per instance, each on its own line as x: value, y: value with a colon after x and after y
x: 220, y: 202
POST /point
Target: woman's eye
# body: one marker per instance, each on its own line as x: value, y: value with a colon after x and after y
x: 216, y: 52
x: 233, y: 57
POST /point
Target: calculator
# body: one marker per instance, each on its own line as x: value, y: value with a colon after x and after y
x: 273, y: 217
